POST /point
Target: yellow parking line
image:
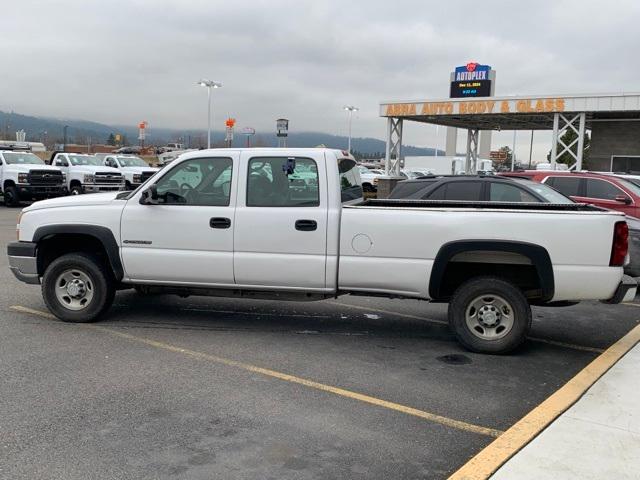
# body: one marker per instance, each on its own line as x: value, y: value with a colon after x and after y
x: 515, y: 438
x: 431, y: 417
x: 444, y: 322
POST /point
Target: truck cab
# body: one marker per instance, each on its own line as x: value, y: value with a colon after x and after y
x: 134, y: 169
x: 87, y: 174
x: 24, y: 176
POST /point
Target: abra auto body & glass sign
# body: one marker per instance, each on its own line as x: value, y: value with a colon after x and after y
x: 471, y: 80
x: 474, y: 107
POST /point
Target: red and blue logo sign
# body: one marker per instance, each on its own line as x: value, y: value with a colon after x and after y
x: 472, y: 71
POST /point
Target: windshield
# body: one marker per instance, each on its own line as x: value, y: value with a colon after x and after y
x: 22, y: 158
x: 132, y: 162
x: 548, y: 193
x: 85, y: 160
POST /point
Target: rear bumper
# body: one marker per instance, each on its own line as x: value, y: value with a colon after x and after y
x: 23, y: 262
x: 625, y: 292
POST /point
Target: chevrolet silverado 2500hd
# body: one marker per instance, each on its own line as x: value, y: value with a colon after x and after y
x: 87, y: 174
x: 239, y: 222
x: 24, y: 176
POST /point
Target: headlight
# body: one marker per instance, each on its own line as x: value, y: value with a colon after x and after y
x: 137, y: 178
x: 23, y: 178
x: 88, y: 179
x: 64, y: 177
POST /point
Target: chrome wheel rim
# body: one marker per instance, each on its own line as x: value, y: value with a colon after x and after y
x: 489, y: 317
x: 74, y: 289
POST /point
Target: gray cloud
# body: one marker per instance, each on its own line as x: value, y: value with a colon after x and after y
x: 126, y: 61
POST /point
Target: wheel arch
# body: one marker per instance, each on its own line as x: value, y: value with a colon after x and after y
x: 100, y: 234
x: 536, y: 254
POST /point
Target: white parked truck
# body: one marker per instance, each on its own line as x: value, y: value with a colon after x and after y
x: 87, y: 174
x: 134, y: 169
x: 24, y: 176
x: 232, y: 222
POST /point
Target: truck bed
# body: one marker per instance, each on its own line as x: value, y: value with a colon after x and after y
x: 402, y: 203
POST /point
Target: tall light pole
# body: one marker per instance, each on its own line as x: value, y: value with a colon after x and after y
x: 209, y: 84
x: 350, y: 109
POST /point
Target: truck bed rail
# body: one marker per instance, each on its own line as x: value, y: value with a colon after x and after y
x: 402, y: 203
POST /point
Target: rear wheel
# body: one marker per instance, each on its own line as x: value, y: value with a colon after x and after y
x: 489, y: 315
x: 11, y: 196
x: 77, y: 287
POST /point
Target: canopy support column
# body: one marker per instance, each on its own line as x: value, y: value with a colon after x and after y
x: 561, y: 124
x: 471, y: 164
x: 394, y: 147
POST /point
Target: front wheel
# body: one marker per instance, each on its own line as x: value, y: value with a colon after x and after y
x: 77, y: 287
x: 76, y: 190
x: 11, y: 198
x: 489, y: 315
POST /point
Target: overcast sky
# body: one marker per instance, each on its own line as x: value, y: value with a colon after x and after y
x: 120, y: 62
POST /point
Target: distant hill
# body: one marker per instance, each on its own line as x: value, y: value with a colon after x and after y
x: 50, y: 130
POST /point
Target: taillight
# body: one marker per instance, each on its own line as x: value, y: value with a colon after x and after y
x: 620, y: 245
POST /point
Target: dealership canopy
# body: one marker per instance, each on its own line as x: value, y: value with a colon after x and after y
x: 532, y: 112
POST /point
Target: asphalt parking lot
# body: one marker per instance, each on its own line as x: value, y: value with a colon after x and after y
x: 169, y: 387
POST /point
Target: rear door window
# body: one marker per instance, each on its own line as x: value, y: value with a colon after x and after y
x: 568, y: 186
x: 270, y: 184
x: 461, y: 191
x: 504, y: 192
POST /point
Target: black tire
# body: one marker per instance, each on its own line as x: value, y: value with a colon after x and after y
x: 127, y: 186
x: 76, y: 190
x: 11, y: 198
x: 102, y: 286
x: 518, y: 314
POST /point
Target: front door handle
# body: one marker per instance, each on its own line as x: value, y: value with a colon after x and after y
x: 220, y: 222
x: 306, y: 225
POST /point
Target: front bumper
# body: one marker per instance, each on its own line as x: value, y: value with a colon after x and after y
x: 625, y: 292
x: 97, y: 187
x: 23, y: 262
x: 27, y: 192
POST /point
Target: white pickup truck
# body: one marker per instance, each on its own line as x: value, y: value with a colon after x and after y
x: 134, y: 169
x: 24, y: 176
x: 86, y: 173
x: 232, y: 222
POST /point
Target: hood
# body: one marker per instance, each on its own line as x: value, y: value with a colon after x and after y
x: 75, y: 201
x: 25, y: 168
x: 138, y: 169
x: 93, y: 169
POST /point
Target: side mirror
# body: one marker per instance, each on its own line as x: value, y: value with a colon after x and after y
x: 149, y: 196
x: 623, y: 199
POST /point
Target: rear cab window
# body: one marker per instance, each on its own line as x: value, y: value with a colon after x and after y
x: 349, y: 179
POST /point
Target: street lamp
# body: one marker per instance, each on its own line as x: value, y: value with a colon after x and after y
x: 350, y: 109
x: 209, y: 84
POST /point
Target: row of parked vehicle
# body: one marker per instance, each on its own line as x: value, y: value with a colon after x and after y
x: 610, y: 191
x: 25, y: 176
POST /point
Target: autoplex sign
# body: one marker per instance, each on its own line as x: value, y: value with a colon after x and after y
x: 471, y: 80
x: 474, y: 107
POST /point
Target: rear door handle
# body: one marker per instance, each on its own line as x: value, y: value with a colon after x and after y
x: 306, y: 225
x: 220, y: 222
